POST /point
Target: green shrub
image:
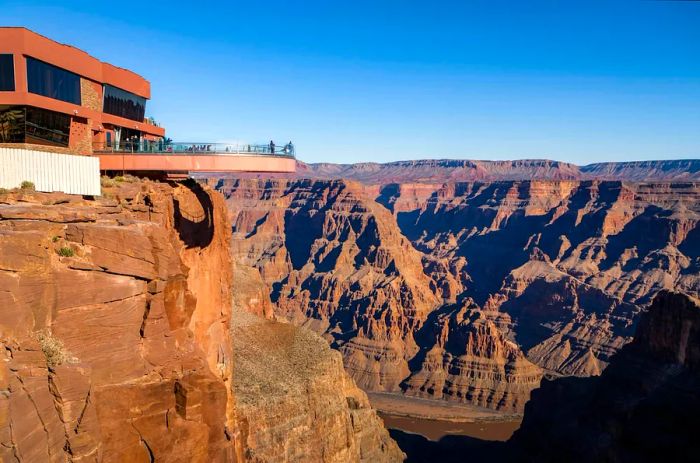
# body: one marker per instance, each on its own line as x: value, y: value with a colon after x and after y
x: 119, y: 179
x: 27, y: 185
x: 4, y: 191
x: 66, y: 252
x: 55, y: 238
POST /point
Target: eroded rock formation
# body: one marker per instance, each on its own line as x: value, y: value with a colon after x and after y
x: 339, y: 265
x: 115, y: 320
x: 644, y: 407
x: 566, y: 266
x: 117, y: 343
x: 467, y: 291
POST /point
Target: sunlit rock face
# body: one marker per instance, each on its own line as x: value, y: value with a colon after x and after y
x: 114, y: 330
x: 338, y: 264
x: 467, y: 291
x: 565, y: 266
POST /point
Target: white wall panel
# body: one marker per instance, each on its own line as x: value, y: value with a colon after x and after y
x: 50, y: 171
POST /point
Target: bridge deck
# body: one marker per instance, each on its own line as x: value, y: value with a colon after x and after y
x: 176, y: 162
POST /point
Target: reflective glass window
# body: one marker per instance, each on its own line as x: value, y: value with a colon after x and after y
x: 7, y: 73
x: 124, y: 104
x: 53, y: 82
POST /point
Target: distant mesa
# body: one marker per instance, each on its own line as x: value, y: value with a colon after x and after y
x: 465, y: 170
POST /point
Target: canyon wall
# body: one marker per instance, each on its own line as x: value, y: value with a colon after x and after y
x: 117, y: 341
x: 115, y: 335
x: 644, y: 406
x: 467, y: 291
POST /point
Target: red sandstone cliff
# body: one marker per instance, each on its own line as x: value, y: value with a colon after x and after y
x: 117, y: 341
x: 115, y: 333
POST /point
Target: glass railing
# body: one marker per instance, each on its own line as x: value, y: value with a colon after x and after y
x: 162, y: 147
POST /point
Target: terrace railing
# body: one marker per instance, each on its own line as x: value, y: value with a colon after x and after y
x: 174, y: 148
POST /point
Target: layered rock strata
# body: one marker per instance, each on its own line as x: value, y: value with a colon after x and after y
x: 117, y: 341
x: 468, y: 359
x: 472, y: 170
x: 115, y: 320
x: 644, y: 407
x: 467, y: 291
x: 567, y: 266
x: 338, y: 265
x: 336, y: 262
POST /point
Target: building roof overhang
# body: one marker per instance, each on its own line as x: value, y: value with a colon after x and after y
x: 20, y: 40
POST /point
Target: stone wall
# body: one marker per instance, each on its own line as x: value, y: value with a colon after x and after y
x: 91, y: 94
x: 80, y: 136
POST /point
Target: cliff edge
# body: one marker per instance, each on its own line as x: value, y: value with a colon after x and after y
x: 117, y: 346
x: 115, y: 321
x: 295, y: 401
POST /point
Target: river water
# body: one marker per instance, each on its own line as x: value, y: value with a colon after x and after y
x: 435, y: 429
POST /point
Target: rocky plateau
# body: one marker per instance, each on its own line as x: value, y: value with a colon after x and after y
x: 472, y: 170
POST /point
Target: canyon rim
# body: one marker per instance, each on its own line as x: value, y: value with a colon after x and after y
x: 349, y: 232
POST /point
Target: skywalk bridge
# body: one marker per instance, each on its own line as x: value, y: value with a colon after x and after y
x: 175, y: 158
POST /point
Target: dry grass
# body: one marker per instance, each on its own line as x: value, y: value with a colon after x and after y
x: 274, y: 360
x: 107, y: 182
x: 126, y: 178
x: 54, y: 350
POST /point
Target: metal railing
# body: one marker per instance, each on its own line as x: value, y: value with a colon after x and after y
x: 163, y: 147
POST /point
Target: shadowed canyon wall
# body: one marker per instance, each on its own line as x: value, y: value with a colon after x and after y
x: 644, y: 407
x: 467, y: 291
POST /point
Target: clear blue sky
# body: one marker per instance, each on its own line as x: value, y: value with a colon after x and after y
x: 352, y: 81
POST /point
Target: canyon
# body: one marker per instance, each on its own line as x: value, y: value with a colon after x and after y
x: 473, y: 291
x: 118, y: 344
x: 247, y: 319
x: 643, y: 407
